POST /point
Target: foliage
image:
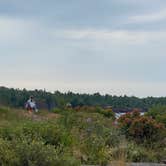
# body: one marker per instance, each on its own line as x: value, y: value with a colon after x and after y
x: 158, y: 113
x: 75, y: 138
x: 92, y: 109
x: 36, y: 153
x: 137, y: 153
x: 141, y: 128
x: 46, y: 100
x: 126, y: 120
x: 145, y: 128
x: 8, y: 157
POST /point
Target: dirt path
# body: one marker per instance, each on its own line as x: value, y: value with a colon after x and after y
x: 39, y: 117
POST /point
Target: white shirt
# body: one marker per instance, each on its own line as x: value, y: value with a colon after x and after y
x: 31, y: 103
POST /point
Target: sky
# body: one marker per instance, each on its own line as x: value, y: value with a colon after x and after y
x: 113, y: 47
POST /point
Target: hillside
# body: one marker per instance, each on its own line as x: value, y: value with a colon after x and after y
x: 70, y: 137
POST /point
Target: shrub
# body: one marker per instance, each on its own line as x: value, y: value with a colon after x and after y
x: 156, y: 110
x: 145, y: 128
x: 108, y: 113
x: 113, y: 138
x: 57, y: 110
x: 95, y: 151
x: 126, y: 120
x: 88, y: 109
x: 133, y: 152
x: 8, y: 157
x: 161, y: 119
x: 137, y: 153
x: 48, y: 132
x: 35, y: 153
x: 158, y: 113
x: 36, y: 143
x: 141, y: 128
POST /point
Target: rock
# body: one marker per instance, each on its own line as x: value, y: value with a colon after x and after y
x: 164, y: 161
x: 146, y: 164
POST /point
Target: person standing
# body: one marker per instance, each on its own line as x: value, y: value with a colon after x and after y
x: 31, y: 105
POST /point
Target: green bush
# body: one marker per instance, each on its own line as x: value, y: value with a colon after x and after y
x: 50, y: 133
x: 8, y: 157
x: 108, y: 113
x: 161, y: 119
x: 113, y: 138
x: 95, y: 152
x: 96, y: 109
x: 57, y: 110
x: 158, y: 113
x: 156, y: 110
x: 137, y: 153
x: 36, y: 143
x: 36, y: 153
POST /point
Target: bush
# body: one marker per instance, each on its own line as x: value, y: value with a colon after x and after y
x: 88, y: 109
x: 137, y: 153
x: 50, y: 133
x: 108, y: 113
x: 36, y: 143
x: 157, y: 110
x: 158, y: 113
x: 113, y: 138
x: 58, y: 110
x: 146, y: 129
x: 8, y: 157
x: 141, y: 128
x: 95, y: 151
x: 161, y: 119
x: 126, y: 120
x: 36, y: 153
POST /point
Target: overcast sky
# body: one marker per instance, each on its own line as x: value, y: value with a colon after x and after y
x: 108, y: 46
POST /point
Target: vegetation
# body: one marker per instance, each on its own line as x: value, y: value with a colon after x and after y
x: 78, y: 136
x: 158, y: 112
x: 141, y: 128
x: 46, y: 100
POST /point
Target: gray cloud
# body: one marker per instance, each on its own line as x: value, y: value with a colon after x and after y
x: 85, y: 46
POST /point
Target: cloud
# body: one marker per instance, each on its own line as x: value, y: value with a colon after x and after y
x: 42, y: 55
x: 150, y: 17
x: 14, y: 30
x: 114, y: 36
x: 26, y: 32
x: 41, y: 51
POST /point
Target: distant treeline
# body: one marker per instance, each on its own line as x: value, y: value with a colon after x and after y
x: 46, y: 100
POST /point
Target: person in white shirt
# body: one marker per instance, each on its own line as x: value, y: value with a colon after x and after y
x: 31, y: 105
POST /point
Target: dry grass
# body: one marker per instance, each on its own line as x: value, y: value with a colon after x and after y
x: 119, y: 156
x: 118, y: 163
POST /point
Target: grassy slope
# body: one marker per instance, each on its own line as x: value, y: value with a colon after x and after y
x: 67, y: 137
